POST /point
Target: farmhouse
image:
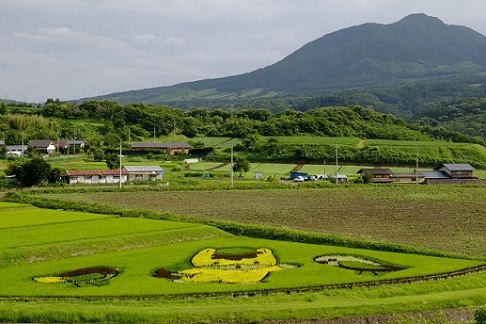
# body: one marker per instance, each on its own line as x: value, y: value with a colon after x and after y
x: 408, y: 177
x: 457, y: 171
x: 452, y: 173
x: 95, y: 176
x: 339, y: 178
x: 144, y: 173
x: 378, y: 175
x: 66, y: 145
x: 16, y: 150
x: 43, y: 146
x: 169, y: 148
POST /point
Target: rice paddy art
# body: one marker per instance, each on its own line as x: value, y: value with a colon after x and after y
x: 230, y: 265
x: 92, y: 276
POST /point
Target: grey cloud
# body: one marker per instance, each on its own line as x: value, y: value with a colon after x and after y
x: 90, y: 47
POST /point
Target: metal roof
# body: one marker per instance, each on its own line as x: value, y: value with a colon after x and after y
x: 166, y: 145
x: 95, y: 172
x: 41, y: 143
x: 143, y: 168
x: 376, y: 171
x: 435, y: 175
x: 17, y: 147
x: 457, y: 167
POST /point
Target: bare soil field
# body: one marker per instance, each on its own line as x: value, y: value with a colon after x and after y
x: 445, y: 218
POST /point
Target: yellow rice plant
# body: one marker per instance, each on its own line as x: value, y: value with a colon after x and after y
x: 49, y: 279
x: 226, y: 276
x: 204, y: 258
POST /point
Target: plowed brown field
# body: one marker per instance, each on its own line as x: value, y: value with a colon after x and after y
x: 446, y: 218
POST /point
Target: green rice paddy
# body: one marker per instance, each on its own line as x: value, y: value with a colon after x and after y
x: 44, y: 243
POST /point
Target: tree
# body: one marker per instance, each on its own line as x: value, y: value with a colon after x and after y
x: 241, y: 165
x: 3, y: 109
x: 112, y: 161
x: 3, y: 152
x: 98, y: 155
x: 32, y: 172
x: 252, y: 142
x: 480, y: 315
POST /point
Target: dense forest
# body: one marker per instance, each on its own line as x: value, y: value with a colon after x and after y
x: 102, y: 124
x: 107, y: 121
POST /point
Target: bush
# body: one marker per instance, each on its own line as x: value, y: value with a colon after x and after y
x: 98, y: 155
x: 480, y: 315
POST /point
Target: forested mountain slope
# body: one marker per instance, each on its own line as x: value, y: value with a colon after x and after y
x: 417, y: 47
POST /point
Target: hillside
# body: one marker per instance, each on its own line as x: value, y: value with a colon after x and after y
x: 418, y: 47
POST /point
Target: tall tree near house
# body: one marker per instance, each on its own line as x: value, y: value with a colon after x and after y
x: 112, y: 161
x: 241, y: 165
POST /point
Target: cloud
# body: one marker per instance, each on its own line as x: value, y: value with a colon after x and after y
x: 151, y: 39
x: 75, y: 48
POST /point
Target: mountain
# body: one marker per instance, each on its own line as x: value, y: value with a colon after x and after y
x: 417, y: 47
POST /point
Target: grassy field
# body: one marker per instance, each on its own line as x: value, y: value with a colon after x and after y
x: 137, y: 246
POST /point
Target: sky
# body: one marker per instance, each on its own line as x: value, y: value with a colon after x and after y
x: 71, y: 49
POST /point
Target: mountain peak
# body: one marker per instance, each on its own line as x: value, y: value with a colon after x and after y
x: 420, y: 17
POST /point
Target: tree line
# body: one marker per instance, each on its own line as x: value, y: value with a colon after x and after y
x: 107, y: 122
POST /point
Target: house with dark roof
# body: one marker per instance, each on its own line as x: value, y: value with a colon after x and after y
x: 43, y: 146
x: 457, y: 170
x: 66, y: 145
x: 16, y: 150
x: 451, y: 173
x: 169, y: 148
x: 378, y: 175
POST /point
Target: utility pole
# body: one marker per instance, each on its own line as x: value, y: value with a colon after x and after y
x: 154, y: 134
x: 120, y: 167
x: 337, y: 165
x: 232, y: 171
x: 74, y: 141
x: 324, y: 170
x: 22, y: 147
x: 416, y: 165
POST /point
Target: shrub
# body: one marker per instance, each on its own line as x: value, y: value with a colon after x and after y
x: 480, y: 315
x: 98, y: 155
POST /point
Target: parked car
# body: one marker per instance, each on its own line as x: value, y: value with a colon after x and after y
x: 300, y: 179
